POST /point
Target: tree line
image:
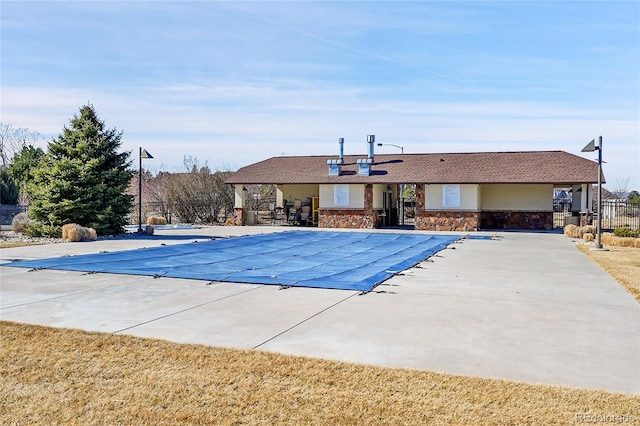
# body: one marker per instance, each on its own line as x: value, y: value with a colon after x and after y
x: 84, y: 177
x: 196, y: 195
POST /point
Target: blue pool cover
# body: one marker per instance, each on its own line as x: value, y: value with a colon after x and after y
x: 336, y: 260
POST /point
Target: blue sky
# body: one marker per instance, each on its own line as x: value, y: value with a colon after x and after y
x: 232, y: 83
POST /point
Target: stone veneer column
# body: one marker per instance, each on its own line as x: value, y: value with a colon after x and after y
x: 368, y: 200
x: 241, y: 216
x: 420, y: 198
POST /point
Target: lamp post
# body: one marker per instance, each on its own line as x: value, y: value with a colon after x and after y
x: 143, y: 153
x: 590, y: 147
x: 390, y: 144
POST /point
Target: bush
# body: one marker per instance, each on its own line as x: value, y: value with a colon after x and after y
x: 39, y: 229
x: 573, y: 231
x: 156, y: 220
x: 72, y: 232
x: 588, y: 237
x: 19, y: 223
x: 624, y: 232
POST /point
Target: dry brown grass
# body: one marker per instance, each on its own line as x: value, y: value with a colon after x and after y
x: 622, y: 263
x: 59, y: 376
x: 609, y: 239
x: 11, y: 244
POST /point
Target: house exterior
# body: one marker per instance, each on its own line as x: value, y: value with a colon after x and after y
x: 454, y: 191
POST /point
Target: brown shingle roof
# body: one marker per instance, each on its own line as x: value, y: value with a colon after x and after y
x: 557, y: 167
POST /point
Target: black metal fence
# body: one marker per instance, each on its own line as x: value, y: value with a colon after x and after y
x: 619, y: 214
x: 615, y: 214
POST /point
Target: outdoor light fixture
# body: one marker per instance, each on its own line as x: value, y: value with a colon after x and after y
x: 143, y: 154
x: 390, y: 144
x: 590, y: 147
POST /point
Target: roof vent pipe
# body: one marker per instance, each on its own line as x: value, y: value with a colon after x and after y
x: 371, y: 140
x: 341, y: 141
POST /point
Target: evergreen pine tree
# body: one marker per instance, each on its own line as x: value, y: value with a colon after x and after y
x: 8, y: 187
x: 83, y: 178
x: 23, y: 164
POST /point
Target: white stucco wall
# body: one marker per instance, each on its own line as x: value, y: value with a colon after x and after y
x: 356, y: 196
x: 535, y: 197
x: 378, y: 196
x: 469, y: 197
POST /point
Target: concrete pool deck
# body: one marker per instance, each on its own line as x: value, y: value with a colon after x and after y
x: 526, y: 306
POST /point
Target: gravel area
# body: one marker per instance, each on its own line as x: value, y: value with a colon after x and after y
x: 13, y: 237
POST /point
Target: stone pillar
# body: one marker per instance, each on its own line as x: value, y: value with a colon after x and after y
x: 368, y: 200
x: 420, y: 198
x: 370, y: 215
x: 241, y: 216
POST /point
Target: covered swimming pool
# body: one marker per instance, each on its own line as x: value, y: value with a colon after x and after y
x: 334, y: 260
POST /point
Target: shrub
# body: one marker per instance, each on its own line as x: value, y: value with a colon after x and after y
x: 19, y: 223
x: 156, y: 220
x: 73, y: 232
x: 588, y: 237
x: 624, y: 232
x: 571, y: 231
x: 38, y: 229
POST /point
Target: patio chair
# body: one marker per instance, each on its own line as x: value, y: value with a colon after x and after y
x: 305, y: 215
x: 294, y: 211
